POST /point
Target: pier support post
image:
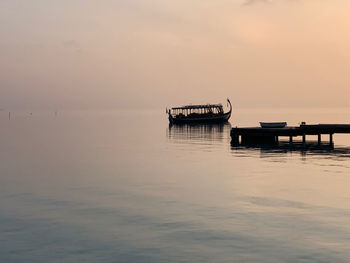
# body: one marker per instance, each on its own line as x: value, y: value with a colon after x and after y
x: 290, y: 139
x: 235, y: 138
x: 304, y: 139
x: 319, y: 139
x: 276, y: 139
x: 331, y: 138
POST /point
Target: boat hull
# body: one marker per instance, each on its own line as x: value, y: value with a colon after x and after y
x: 212, y: 119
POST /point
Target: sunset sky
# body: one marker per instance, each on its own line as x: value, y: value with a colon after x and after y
x: 88, y: 54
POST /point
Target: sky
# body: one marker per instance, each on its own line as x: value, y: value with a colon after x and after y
x: 114, y: 54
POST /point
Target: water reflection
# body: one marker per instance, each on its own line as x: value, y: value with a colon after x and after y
x: 199, y: 132
x: 310, y: 148
x: 95, y: 188
x: 209, y: 135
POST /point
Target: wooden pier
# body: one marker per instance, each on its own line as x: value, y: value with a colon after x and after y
x: 271, y: 135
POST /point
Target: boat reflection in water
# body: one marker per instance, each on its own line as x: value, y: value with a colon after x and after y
x: 199, y: 133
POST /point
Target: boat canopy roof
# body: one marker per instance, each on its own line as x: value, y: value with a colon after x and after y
x: 206, y: 106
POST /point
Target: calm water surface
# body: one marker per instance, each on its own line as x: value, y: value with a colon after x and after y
x: 123, y: 186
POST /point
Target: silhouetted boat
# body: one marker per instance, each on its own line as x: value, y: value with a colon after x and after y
x: 207, y: 113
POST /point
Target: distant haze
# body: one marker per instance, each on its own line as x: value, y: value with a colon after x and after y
x: 88, y: 54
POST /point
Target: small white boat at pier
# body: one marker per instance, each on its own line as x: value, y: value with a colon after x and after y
x: 273, y: 124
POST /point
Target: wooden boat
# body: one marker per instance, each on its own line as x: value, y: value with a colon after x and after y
x: 273, y: 124
x: 207, y: 113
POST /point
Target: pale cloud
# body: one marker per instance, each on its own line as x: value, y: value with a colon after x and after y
x: 253, y: 2
x: 73, y: 45
x: 70, y: 44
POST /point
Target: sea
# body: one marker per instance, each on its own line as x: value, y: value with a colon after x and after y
x: 125, y: 186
